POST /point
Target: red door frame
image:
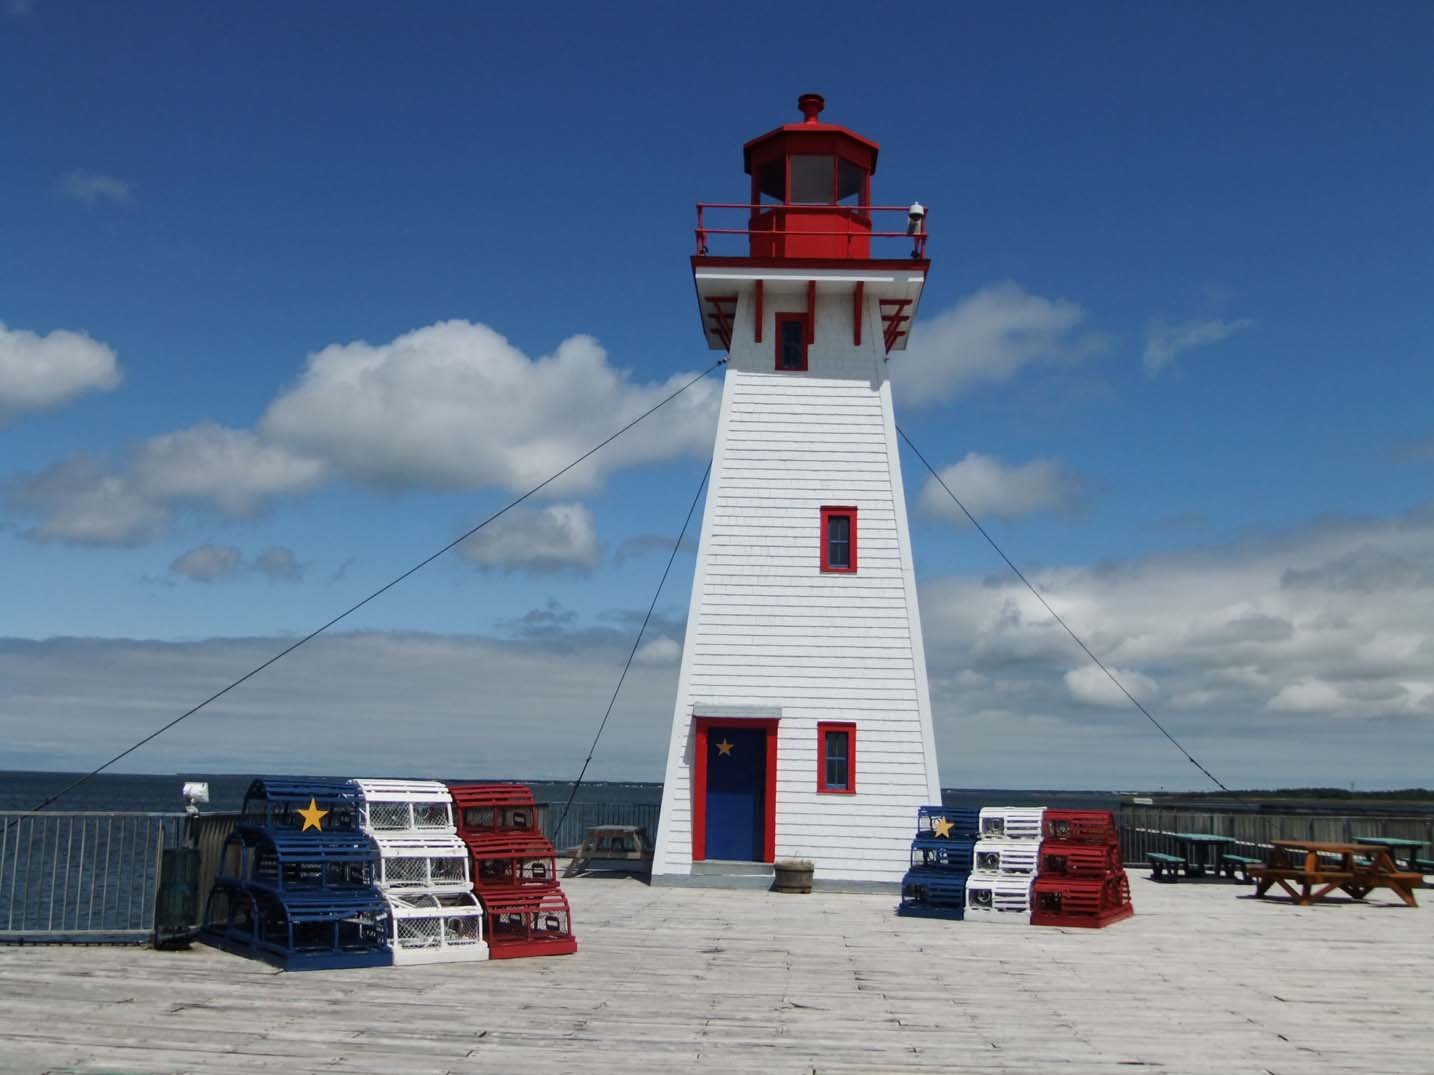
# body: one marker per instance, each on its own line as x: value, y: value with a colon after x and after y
x: 699, y: 783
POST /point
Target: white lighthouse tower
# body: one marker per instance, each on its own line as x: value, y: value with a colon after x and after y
x: 802, y: 726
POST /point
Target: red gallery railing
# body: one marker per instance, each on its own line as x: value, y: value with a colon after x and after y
x: 842, y: 231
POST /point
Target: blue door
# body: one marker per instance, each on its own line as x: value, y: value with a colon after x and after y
x: 736, y: 784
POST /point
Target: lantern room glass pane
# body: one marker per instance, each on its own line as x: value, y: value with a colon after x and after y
x: 793, y: 344
x: 851, y: 180
x: 837, y: 773
x: 772, y: 182
x: 812, y: 180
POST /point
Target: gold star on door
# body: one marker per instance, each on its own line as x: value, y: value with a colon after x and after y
x: 724, y: 748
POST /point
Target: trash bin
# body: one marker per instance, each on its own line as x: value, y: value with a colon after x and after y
x: 176, y: 903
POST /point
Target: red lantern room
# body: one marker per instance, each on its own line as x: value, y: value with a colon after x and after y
x: 810, y: 224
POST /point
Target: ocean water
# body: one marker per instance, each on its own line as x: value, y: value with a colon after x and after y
x: 160, y: 792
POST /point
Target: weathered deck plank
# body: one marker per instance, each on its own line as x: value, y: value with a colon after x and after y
x: 686, y: 979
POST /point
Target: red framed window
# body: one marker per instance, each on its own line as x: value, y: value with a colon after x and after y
x: 836, y: 757
x: 791, y: 335
x: 839, y: 540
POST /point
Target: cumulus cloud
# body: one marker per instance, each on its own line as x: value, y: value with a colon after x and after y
x: 456, y: 406
x: 537, y: 541
x: 660, y: 650
x: 211, y: 562
x: 1165, y: 340
x: 82, y: 501
x: 992, y: 489
x: 1288, y: 640
x: 987, y: 338
x: 38, y: 372
x: 92, y: 187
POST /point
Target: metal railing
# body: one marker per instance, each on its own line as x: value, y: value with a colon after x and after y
x: 583, y: 816
x: 857, y: 217
x: 81, y: 876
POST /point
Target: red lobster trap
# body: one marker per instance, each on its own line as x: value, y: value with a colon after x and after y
x: 1080, y: 827
x: 528, y: 924
x: 512, y: 860
x: 1057, y: 901
x: 493, y: 808
x: 1085, y: 861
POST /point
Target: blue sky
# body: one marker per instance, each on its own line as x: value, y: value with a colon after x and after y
x: 1178, y: 329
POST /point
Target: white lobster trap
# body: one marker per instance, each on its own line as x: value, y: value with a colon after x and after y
x: 1006, y: 898
x: 431, y: 863
x: 1007, y: 857
x: 436, y: 927
x: 1011, y: 822
x: 404, y: 806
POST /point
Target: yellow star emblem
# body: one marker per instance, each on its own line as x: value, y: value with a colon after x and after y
x: 724, y: 748
x: 312, y: 816
x: 941, y: 826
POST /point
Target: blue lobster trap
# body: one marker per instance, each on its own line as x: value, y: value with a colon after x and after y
x: 930, y: 853
x: 945, y: 823
x: 317, y: 930
x: 933, y: 893
x: 287, y: 861
x: 301, y: 804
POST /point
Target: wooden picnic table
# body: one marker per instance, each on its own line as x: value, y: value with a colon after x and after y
x: 1201, y: 850
x: 1410, y: 848
x: 1296, y: 866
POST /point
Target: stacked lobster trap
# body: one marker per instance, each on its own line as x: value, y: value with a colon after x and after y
x: 1004, y: 863
x: 514, y: 870
x: 1018, y: 865
x: 941, y: 857
x: 295, y: 882
x: 1082, y: 880
x: 422, y: 871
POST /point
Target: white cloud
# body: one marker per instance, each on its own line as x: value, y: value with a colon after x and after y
x: 1164, y: 340
x: 81, y: 502
x: 91, y: 187
x: 231, y: 469
x: 987, y: 338
x: 660, y: 650
x: 537, y: 541
x: 207, y: 563
x: 456, y: 406
x: 1308, y: 696
x: 37, y: 372
x: 280, y: 564
x: 992, y: 489
x: 1090, y: 686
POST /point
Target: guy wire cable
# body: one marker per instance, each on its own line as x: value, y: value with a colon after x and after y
x: 1056, y: 616
x: 676, y: 545
x: 381, y: 590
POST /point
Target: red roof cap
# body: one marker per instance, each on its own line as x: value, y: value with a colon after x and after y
x: 811, y: 105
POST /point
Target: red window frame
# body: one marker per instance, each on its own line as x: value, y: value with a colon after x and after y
x: 805, y: 321
x: 827, y: 566
x: 823, y: 727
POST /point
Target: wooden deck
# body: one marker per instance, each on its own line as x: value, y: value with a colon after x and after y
x: 674, y: 979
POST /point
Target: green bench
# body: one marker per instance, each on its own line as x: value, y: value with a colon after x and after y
x: 1166, y: 866
x: 1424, y: 865
x: 1231, y: 865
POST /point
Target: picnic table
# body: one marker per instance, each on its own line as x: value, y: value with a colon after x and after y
x: 1296, y: 866
x: 1201, y: 850
x: 622, y: 845
x: 1410, y: 848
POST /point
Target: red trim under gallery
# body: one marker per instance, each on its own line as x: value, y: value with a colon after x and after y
x: 699, y: 782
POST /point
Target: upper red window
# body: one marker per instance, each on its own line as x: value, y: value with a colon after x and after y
x: 792, y: 334
x: 839, y: 540
x: 836, y: 757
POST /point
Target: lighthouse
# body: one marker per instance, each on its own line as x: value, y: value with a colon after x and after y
x: 802, y: 723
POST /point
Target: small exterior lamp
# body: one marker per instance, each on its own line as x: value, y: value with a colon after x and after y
x: 196, y: 794
x: 916, y: 225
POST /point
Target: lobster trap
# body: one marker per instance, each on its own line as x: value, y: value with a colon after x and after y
x: 1011, y: 822
x: 512, y: 860
x: 941, y: 854
x: 436, y: 927
x: 1005, y: 899
x: 306, y: 805
x: 927, y: 893
x: 1085, y: 861
x: 1006, y: 856
x: 299, y: 930
x: 1060, y: 901
x: 1081, y: 826
x: 396, y: 807
x: 528, y: 924
x: 494, y: 808
x: 941, y: 822
x: 430, y: 863
x: 286, y: 860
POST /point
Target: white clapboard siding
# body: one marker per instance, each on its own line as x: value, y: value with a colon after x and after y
x: 766, y: 628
